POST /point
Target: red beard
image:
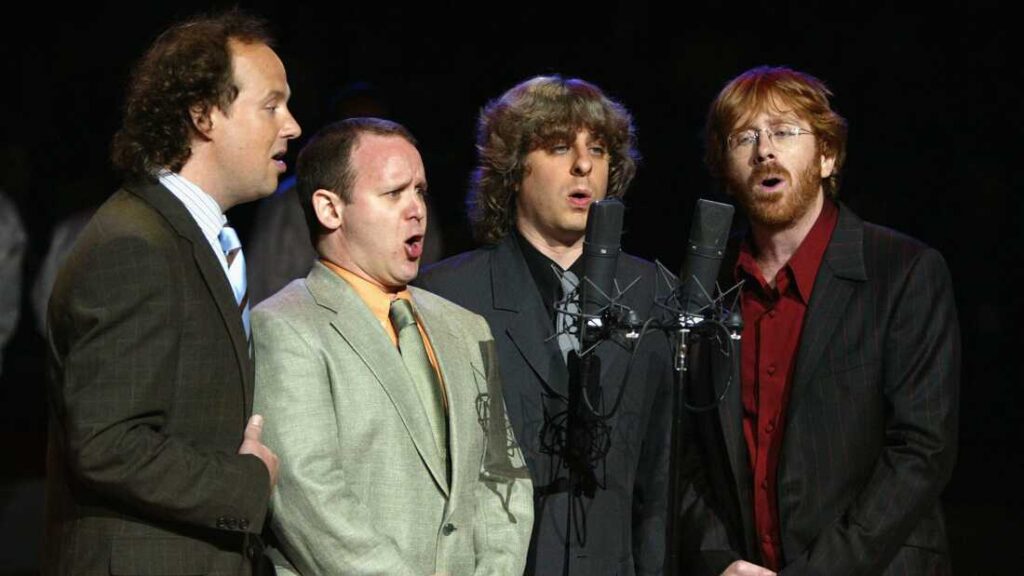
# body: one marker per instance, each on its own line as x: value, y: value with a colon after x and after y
x: 777, y: 210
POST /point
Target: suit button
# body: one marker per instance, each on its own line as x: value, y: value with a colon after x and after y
x: 243, y: 524
x: 448, y: 529
x: 221, y: 523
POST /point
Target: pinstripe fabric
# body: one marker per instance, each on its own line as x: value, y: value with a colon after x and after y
x: 871, y: 428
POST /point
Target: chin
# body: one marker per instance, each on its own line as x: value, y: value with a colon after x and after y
x: 409, y: 275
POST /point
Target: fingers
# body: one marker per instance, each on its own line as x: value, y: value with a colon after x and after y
x: 254, y: 428
x: 742, y: 568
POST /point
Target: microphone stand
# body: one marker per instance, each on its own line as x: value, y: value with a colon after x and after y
x: 694, y: 364
x: 584, y: 369
x: 673, y: 556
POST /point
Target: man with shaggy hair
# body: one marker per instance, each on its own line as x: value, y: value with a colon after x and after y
x: 548, y: 148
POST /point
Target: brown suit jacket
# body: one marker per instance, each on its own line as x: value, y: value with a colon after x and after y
x: 870, y: 431
x: 151, y: 385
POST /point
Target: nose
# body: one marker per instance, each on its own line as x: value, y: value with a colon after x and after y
x: 291, y: 128
x: 765, y: 148
x: 582, y: 163
x: 418, y: 207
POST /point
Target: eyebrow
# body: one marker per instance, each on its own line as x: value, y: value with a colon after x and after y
x: 276, y: 95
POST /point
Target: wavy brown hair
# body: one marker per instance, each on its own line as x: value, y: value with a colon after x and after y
x: 535, y: 114
x: 779, y: 89
x: 187, y: 68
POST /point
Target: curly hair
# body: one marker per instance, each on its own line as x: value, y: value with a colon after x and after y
x: 188, y: 68
x: 779, y: 89
x: 535, y: 114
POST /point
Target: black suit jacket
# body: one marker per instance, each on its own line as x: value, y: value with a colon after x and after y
x: 150, y: 391
x: 624, y: 523
x: 870, y: 431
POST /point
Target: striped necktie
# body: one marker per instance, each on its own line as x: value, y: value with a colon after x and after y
x: 567, y: 315
x: 236, y: 275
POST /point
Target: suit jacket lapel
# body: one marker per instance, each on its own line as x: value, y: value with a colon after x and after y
x: 454, y: 364
x: 362, y: 332
x: 164, y: 202
x: 841, y: 270
x: 515, y: 291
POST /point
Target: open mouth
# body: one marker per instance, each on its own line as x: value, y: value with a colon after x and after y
x: 279, y: 159
x: 414, y: 246
x: 579, y: 198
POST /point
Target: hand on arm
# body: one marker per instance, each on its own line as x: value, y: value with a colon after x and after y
x: 252, y: 445
x: 117, y: 333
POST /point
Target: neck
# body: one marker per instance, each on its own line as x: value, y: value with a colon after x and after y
x: 564, y: 253
x: 197, y: 172
x: 360, y: 274
x: 777, y: 244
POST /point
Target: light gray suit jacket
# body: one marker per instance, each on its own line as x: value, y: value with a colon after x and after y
x: 363, y: 489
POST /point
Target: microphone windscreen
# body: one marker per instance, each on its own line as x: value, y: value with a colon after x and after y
x: 709, y: 233
x: 601, y: 247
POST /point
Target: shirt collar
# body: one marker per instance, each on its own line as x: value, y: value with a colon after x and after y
x: 375, y: 297
x: 801, y: 270
x: 203, y: 208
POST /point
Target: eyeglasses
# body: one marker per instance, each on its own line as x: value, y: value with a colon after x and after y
x: 780, y: 135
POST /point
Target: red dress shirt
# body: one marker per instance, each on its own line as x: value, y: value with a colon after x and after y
x: 773, y: 319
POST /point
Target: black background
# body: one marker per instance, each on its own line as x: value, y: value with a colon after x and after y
x: 929, y: 95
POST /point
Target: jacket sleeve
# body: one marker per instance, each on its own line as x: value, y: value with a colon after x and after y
x: 115, y: 332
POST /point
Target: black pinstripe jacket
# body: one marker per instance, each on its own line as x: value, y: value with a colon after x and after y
x: 870, y: 431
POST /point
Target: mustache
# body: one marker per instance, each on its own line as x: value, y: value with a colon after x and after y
x: 763, y: 171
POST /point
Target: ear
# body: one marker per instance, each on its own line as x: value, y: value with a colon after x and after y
x: 328, y: 208
x: 202, y: 119
x: 828, y: 164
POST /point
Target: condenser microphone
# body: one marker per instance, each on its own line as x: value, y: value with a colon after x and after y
x: 709, y: 233
x: 601, y: 247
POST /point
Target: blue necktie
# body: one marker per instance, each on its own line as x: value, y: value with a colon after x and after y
x: 236, y: 275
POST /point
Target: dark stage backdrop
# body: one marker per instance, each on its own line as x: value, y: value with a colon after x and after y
x: 928, y: 95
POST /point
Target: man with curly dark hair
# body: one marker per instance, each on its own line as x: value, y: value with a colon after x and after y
x: 548, y: 148
x: 152, y: 465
